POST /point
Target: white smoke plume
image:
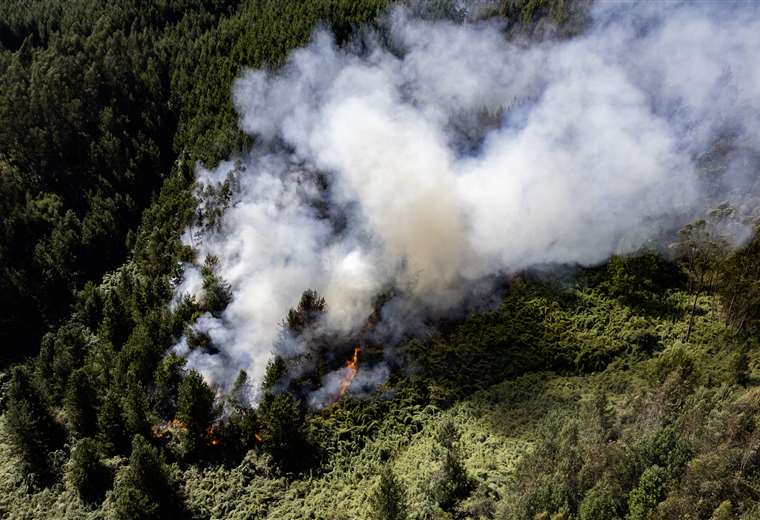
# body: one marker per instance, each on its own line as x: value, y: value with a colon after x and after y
x: 436, y: 155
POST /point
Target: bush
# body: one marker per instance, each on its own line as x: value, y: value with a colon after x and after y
x: 723, y: 512
x: 650, y: 491
x: 641, y: 278
x: 602, y: 502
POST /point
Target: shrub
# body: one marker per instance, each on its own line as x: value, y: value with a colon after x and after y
x: 723, y: 512
x: 650, y: 491
x: 602, y: 502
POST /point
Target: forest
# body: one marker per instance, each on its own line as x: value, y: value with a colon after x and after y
x: 626, y: 388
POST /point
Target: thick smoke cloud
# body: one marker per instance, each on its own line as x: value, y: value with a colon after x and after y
x: 437, y: 155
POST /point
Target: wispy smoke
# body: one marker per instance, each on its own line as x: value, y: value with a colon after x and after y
x: 435, y: 155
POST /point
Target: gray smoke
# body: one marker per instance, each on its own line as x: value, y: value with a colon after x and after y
x: 437, y: 155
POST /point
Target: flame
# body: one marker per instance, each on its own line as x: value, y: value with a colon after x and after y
x: 258, y: 437
x: 211, y: 433
x: 168, y: 428
x: 353, y: 366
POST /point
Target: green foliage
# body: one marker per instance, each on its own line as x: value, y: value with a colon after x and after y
x: 276, y: 370
x: 310, y: 308
x: 79, y: 404
x: 116, y: 323
x: 567, y: 401
x: 238, y: 433
x: 450, y: 484
x: 302, y: 373
x: 650, y: 491
x: 112, y: 430
x: 61, y: 352
x: 168, y: 377
x: 569, y: 15
x: 739, y: 287
x: 388, y: 501
x: 89, y: 160
x: 89, y: 476
x: 217, y: 293
x: 602, y: 502
x: 641, y: 278
x: 134, y: 405
x: 740, y: 367
x: 723, y: 511
x: 664, y: 449
x: 143, y: 490
x: 32, y: 429
x: 196, y: 410
x: 283, y: 433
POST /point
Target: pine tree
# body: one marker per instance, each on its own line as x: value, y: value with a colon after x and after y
x: 168, y: 377
x: 79, y: 404
x: 89, y: 476
x: 135, y: 407
x: 112, y: 431
x: 32, y: 429
x: 143, y: 490
x: 282, y: 430
x: 388, y: 501
x: 310, y: 309
x: 195, y: 408
x: 451, y: 482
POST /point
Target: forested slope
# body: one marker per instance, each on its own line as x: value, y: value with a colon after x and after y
x: 622, y: 390
x: 100, y: 104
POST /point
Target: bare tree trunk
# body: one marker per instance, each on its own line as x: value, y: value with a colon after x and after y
x: 729, y: 312
x: 739, y: 327
x: 694, y: 307
x: 711, y: 291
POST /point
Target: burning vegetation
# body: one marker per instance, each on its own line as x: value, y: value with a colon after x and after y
x: 168, y: 429
x: 349, y: 372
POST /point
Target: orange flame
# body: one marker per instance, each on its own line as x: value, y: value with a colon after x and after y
x: 258, y: 437
x: 353, y: 366
x: 168, y: 428
x: 211, y: 432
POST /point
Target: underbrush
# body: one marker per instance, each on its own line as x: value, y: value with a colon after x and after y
x: 573, y: 405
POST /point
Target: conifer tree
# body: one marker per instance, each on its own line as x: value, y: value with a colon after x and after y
x: 89, y: 476
x: 112, y: 431
x: 143, y: 490
x: 388, y: 501
x: 195, y: 408
x: 79, y: 404
x: 30, y: 423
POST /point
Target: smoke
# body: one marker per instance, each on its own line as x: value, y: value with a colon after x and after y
x: 435, y: 155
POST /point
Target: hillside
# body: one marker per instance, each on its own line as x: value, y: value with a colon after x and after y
x: 546, y: 441
x: 379, y: 260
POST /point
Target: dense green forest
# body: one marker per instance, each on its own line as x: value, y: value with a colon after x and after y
x: 624, y: 390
